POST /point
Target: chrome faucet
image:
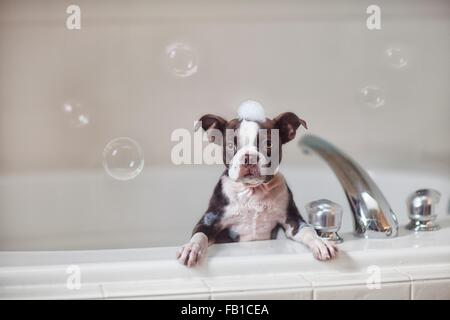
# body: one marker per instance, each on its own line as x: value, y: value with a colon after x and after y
x: 373, y: 216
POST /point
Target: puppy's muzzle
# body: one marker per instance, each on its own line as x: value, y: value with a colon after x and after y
x: 249, y: 166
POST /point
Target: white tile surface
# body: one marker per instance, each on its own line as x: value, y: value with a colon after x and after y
x: 167, y: 297
x: 354, y: 278
x: 155, y: 289
x: 288, y: 294
x: 284, y: 286
x: 427, y: 272
x: 257, y: 282
x: 431, y: 289
x: 360, y: 285
x: 393, y: 290
x: 50, y: 292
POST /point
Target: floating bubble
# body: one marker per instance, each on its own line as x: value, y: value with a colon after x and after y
x: 75, y: 113
x: 372, y: 96
x: 182, y: 60
x: 396, y: 58
x: 123, y: 158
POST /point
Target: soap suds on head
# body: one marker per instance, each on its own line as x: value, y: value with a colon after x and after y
x: 251, y: 111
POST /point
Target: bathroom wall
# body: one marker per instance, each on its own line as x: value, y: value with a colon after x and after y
x: 304, y: 56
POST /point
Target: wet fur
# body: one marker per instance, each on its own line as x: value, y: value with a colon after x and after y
x: 238, y: 211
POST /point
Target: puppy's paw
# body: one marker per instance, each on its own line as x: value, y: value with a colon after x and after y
x: 190, y: 254
x: 323, y: 249
x: 193, y: 252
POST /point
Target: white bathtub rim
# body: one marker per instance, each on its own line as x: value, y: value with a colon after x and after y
x: 154, y: 272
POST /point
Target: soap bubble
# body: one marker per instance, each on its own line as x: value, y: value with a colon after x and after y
x: 123, y: 159
x: 181, y: 59
x: 372, y: 96
x: 396, y: 58
x: 75, y: 113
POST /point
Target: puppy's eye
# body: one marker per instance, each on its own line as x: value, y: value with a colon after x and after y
x: 267, y: 144
x: 230, y: 146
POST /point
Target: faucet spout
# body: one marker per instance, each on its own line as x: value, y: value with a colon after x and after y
x: 373, y: 216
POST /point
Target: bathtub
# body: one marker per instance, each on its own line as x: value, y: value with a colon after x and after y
x: 78, y: 233
x: 118, y: 239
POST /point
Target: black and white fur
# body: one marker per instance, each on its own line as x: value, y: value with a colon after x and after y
x: 246, y: 205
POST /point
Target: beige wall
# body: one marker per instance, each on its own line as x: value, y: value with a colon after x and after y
x: 289, y: 55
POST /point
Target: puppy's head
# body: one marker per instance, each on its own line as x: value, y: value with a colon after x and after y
x: 252, y: 143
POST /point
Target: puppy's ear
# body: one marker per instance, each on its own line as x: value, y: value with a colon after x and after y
x: 287, y: 123
x: 212, y: 125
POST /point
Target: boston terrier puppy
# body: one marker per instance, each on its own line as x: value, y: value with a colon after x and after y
x: 252, y: 200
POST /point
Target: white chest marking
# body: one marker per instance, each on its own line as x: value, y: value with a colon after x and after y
x: 254, y: 212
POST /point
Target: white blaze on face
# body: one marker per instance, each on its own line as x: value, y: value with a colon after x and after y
x: 250, y: 113
x: 248, y: 134
x: 247, y: 144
